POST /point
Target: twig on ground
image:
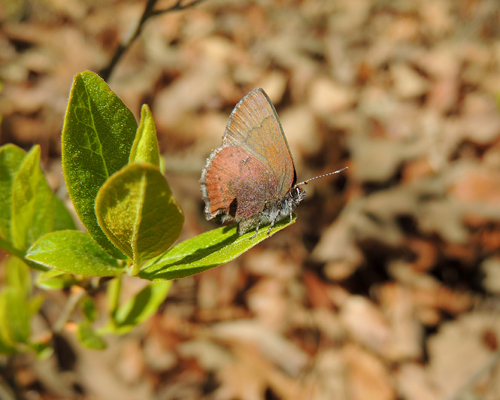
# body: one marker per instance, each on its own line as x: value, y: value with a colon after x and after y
x: 149, y: 12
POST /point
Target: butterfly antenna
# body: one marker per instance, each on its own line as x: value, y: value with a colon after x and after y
x: 320, y: 176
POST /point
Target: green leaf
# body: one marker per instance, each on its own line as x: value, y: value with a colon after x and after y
x: 42, y: 350
x: 97, y: 137
x: 14, y: 317
x: 62, y: 217
x: 19, y: 276
x: 11, y: 158
x: 32, y: 203
x: 137, y: 211
x: 7, y: 340
x: 89, y: 337
x: 142, y: 306
x: 74, y: 252
x: 145, y: 147
x: 54, y: 279
x: 88, y: 309
x: 35, y: 303
x: 22, y: 178
x: 5, y: 348
x: 205, y: 251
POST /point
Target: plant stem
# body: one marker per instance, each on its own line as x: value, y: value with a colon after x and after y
x: 136, y: 267
x: 114, y: 293
x: 178, y: 7
x: 149, y: 12
x: 5, y: 245
x: 70, y: 305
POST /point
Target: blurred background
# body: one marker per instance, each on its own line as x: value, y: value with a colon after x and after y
x: 388, y: 285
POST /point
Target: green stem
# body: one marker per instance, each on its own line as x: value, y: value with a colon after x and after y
x: 114, y: 293
x: 21, y: 254
x: 136, y: 267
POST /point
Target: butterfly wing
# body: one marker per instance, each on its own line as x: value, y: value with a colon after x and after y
x: 236, y: 184
x: 255, y: 128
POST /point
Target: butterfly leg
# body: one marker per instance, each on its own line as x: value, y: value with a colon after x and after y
x: 275, y: 218
x: 256, y: 229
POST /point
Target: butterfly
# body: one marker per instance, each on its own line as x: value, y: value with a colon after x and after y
x: 251, y: 178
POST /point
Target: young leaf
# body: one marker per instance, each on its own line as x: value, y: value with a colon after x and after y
x: 7, y: 340
x: 137, y: 211
x: 32, y: 203
x: 14, y: 317
x: 62, y: 217
x: 90, y: 338
x: 205, y: 251
x: 35, y: 303
x: 11, y: 158
x: 139, y: 308
x: 73, y: 252
x: 54, y: 279
x: 22, y: 180
x: 145, y: 147
x: 18, y: 276
x: 43, y: 350
x: 97, y: 137
x: 5, y: 348
x: 9, y: 248
x: 88, y: 309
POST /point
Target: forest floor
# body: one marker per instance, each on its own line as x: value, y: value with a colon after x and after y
x: 388, y: 285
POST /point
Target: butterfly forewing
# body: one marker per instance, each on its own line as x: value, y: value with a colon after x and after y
x: 254, y: 127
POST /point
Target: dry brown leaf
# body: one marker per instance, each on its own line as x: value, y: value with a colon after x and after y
x: 366, y: 375
x: 397, y: 304
x: 477, y: 185
x: 210, y: 356
x: 407, y: 82
x: 328, y: 97
x: 317, y: 291
x: 414, y: 384
x: 458, y: 353
x: 272, y: 263
x: 157, y: 357
x: 267, y: 300
x: 327, y: 380
x: 130, y: 366
x: 251, y: 374
x: 272, y: 345
x: 329, y: 324
x: 491, y: 270
x: 366, y: 324
x: 301, y: 132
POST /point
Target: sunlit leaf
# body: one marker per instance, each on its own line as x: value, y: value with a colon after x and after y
x: 145, y: 147
x: 142, y: 306
x: 18, y: 275
x: 11, y: 158
x: 205, y: 251
x: 14, y: 317
x: 137, y: 211
x: 32, y: 202
x: 74, y: 252
x: 97, y: 137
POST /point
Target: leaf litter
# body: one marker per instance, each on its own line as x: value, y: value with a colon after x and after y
x: 387, y: 286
